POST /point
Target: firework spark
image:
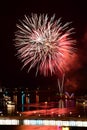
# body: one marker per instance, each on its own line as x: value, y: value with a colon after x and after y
x: 44, y: 43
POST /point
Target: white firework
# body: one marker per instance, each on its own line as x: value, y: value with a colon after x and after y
x: 44, y: 43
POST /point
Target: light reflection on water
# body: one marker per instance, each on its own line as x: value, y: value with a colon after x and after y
x: 22, y: 127
x: 62, y: 107
x: 24, y: 103
x: 67, y: 107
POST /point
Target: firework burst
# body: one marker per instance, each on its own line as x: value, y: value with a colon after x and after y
x: 44, y: 43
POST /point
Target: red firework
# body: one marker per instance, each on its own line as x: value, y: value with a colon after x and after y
x: 44, y: 43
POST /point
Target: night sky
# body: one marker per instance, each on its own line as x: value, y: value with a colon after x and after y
x: 11, y: 74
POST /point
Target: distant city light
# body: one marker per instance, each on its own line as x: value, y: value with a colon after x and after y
x: 65, y: 128
x: 9, y: 122
x: 64, y: 124
x: 67, y: 124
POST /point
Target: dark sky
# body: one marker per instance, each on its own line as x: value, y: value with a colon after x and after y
x: 11, y: 12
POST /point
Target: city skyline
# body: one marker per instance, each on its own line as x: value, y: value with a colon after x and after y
x: 10, y: 72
